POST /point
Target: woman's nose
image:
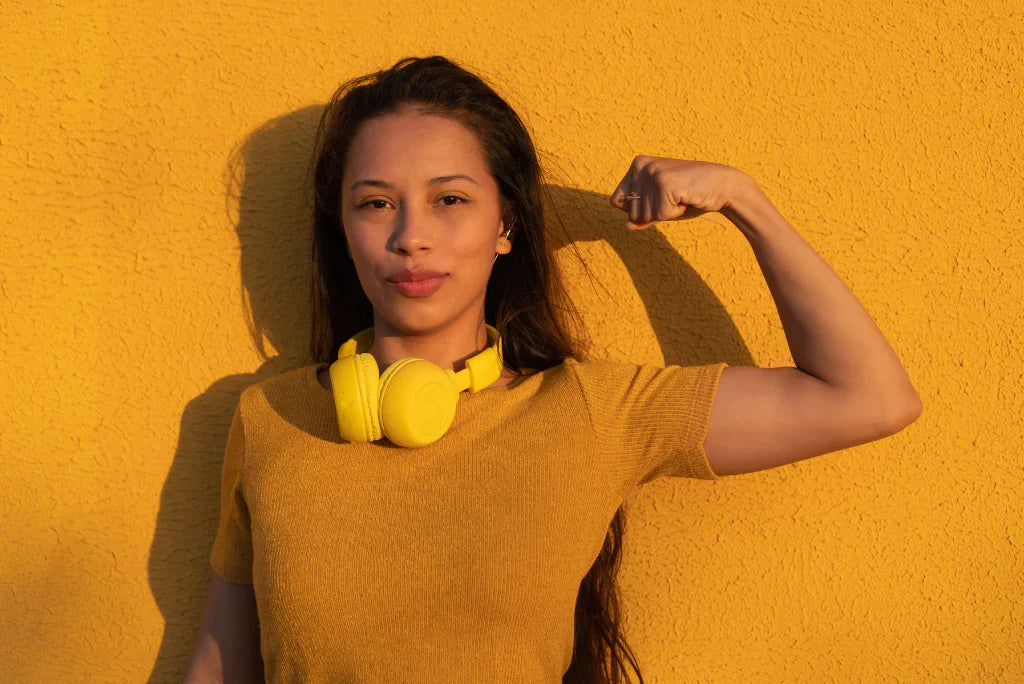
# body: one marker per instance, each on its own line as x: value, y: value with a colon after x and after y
x: 413, y: 232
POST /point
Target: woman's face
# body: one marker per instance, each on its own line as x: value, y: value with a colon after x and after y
x: 403, y: 208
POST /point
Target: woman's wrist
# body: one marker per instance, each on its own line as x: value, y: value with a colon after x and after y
x: 751, y: 211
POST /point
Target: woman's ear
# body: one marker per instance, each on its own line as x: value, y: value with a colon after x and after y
x: 504, y: 244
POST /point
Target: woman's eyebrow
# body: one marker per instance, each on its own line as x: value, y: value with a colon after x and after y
x: 433, y: 181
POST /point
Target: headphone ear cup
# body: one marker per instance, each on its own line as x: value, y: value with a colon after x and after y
x: 355, y: 381
x: 417, y: 402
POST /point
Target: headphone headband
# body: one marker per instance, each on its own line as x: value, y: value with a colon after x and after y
x: 481, y: 370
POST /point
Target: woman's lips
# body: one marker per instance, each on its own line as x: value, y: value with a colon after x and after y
x: 419, y: 288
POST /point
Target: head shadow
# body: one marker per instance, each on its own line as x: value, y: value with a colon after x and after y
x: 266, y: 203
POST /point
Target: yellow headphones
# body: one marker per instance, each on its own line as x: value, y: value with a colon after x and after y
x: 413, y: 402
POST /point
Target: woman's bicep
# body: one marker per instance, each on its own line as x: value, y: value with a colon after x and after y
x: 768, y: 417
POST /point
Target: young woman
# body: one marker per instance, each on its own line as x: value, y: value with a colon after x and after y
x: 438, y: 497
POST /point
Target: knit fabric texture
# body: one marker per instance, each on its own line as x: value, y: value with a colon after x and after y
x: 459, y: 561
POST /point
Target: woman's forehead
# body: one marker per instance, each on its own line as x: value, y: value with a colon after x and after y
x: 415, y: 149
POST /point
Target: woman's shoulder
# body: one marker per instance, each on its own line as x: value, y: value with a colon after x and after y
x: 583, y: 370
x: 295, y: 382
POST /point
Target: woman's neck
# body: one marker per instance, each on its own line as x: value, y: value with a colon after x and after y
x: 448, y: 348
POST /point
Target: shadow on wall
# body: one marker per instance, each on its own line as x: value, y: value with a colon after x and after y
x: 266, y: 180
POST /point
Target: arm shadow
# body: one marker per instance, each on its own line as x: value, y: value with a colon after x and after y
x: 691, y: 325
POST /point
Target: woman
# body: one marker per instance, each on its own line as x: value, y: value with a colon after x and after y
x: 488, y: 550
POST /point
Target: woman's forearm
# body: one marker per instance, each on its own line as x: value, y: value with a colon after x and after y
x: 830, y: 334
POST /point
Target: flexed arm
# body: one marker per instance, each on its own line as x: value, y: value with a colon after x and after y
x: 848, y: 386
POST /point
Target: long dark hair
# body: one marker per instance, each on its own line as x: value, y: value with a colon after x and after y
x: 526, y: 300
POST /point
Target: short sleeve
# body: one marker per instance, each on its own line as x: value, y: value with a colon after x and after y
x: 231, y: 556
x: 650, y: 421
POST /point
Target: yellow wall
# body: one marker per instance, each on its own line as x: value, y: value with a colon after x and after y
x: 153, y: 253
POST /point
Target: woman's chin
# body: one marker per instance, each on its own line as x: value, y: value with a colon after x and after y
x: 411, y: 323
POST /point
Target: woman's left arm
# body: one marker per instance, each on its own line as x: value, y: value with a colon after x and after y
x: 848, y: 386
x: 830, y: 334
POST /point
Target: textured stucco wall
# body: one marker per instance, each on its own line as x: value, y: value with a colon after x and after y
x: 153, y: 263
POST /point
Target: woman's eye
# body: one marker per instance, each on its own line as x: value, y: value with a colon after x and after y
x: 380, y: 204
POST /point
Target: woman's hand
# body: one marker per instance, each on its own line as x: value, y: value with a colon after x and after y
x: 672, y: 189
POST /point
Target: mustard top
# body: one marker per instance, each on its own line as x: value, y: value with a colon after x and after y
x: 457, y: 561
